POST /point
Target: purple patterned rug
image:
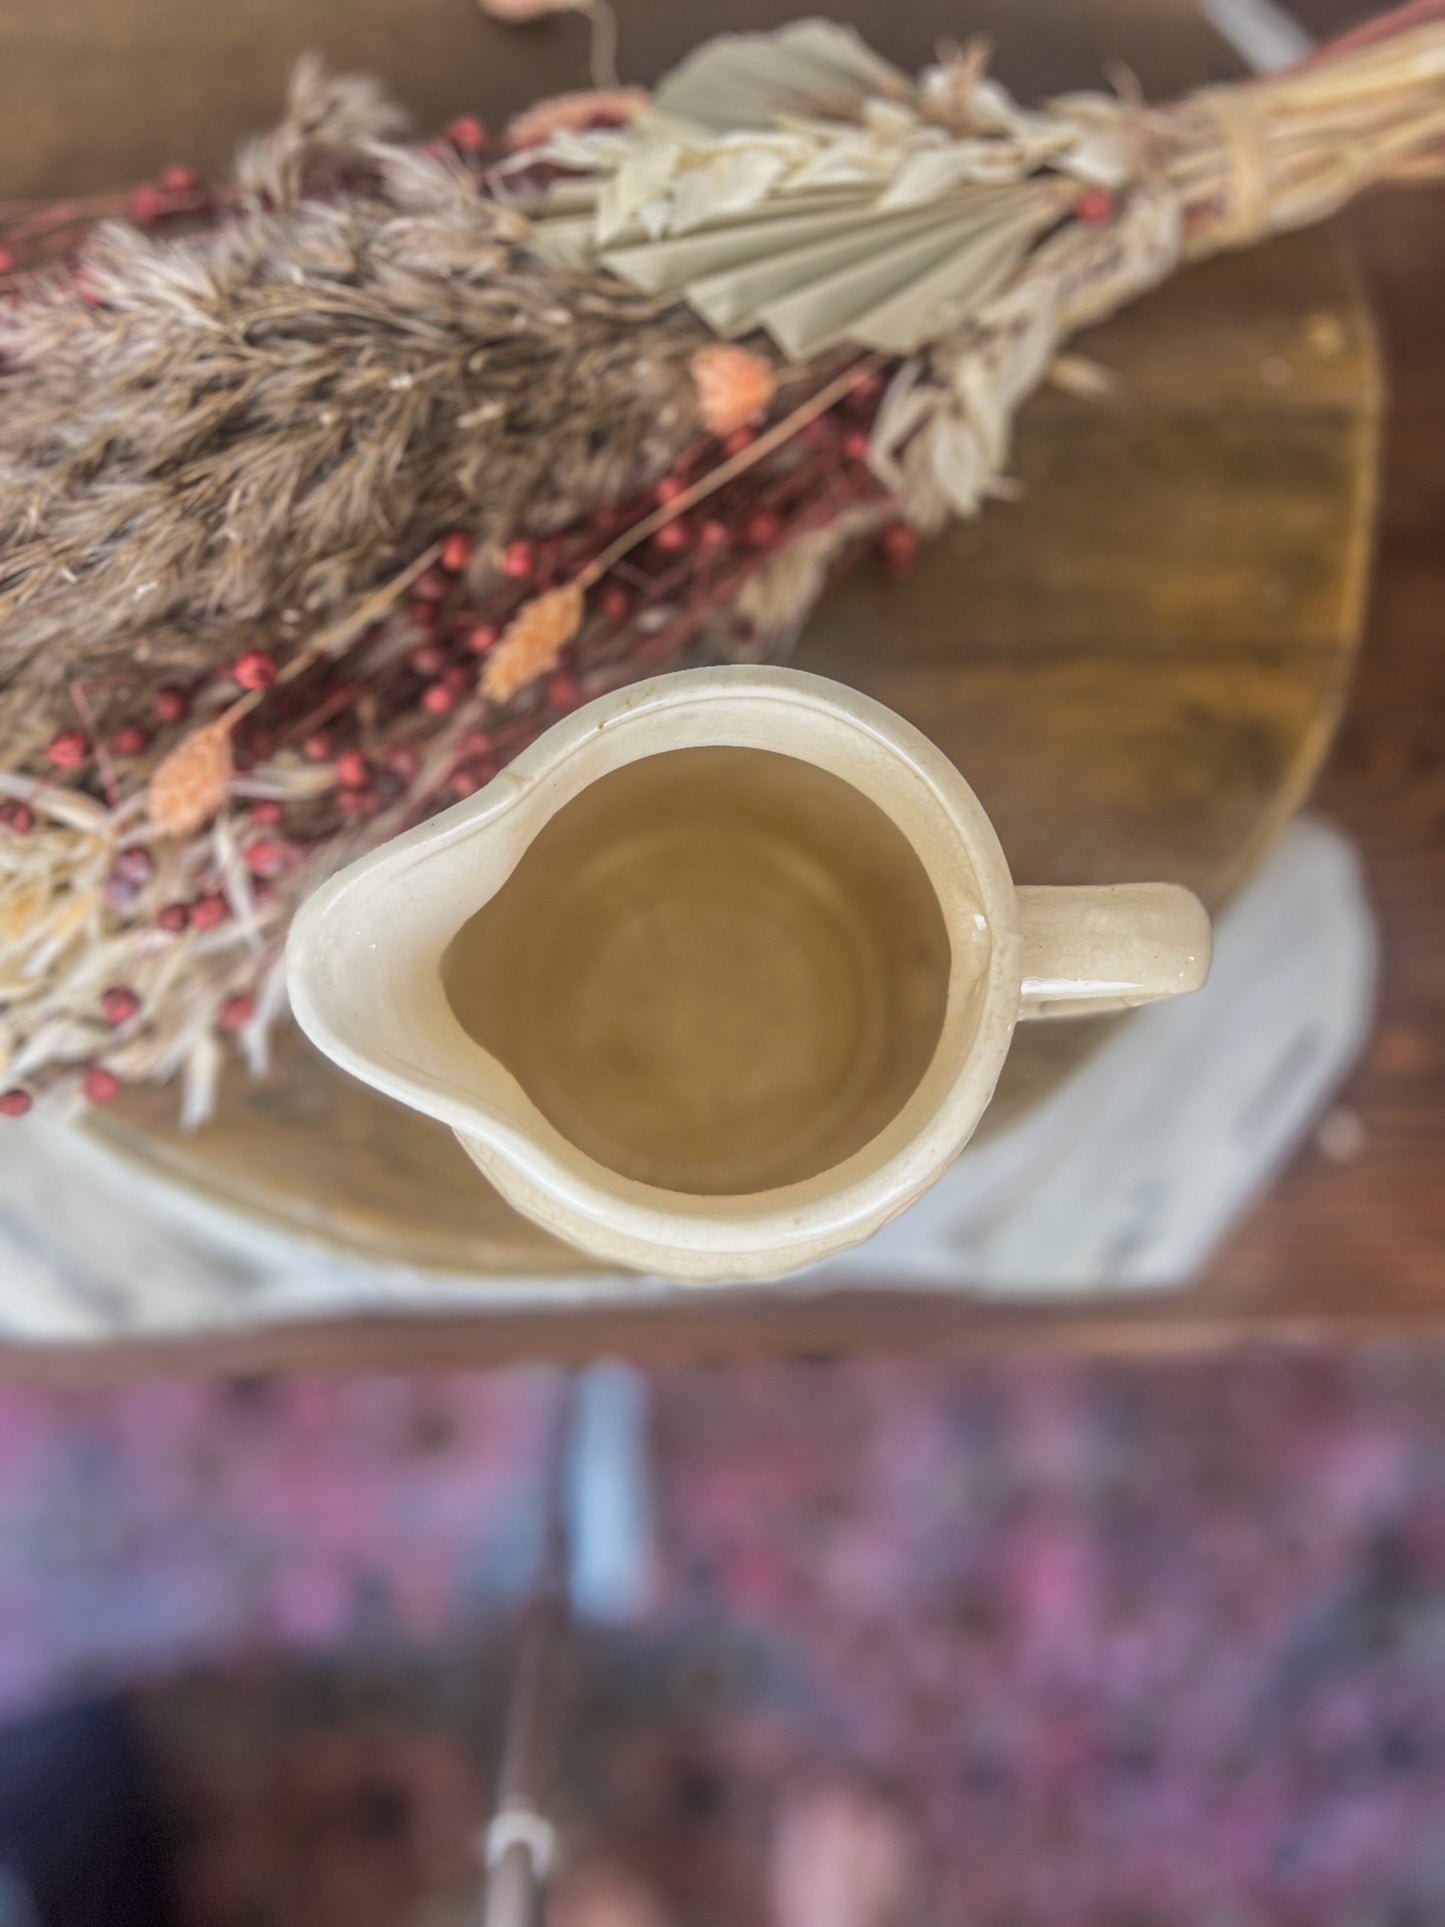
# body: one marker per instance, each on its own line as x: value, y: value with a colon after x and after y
x: 1027, y: 1647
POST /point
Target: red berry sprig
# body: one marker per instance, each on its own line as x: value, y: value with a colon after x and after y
x: 119, y: 1004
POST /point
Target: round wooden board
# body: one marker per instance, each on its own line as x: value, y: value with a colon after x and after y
x: 1138, y: 664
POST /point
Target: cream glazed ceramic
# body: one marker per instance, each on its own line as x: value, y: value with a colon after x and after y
x: 846, y: 969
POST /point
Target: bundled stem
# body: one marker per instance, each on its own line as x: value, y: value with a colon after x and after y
x: 1290, y: 149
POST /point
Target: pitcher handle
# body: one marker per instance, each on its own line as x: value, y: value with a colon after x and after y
x: 1089, y: 949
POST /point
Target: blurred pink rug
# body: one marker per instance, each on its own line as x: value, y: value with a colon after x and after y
x: 1093, y: 1647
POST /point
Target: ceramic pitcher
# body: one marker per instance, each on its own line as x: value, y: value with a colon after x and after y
x: 719, y: 974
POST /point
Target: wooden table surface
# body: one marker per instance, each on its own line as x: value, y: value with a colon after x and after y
x: 1337, y: 1249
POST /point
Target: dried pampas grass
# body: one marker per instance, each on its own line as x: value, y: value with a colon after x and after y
x: 263, y: 421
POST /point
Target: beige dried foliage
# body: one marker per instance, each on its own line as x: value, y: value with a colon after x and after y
x: 535, y: 638
x: 190, y: 785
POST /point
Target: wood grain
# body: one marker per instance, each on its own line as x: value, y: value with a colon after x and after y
x: 101, y: 90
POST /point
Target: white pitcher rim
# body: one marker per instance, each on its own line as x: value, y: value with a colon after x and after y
x: 735, y: 1236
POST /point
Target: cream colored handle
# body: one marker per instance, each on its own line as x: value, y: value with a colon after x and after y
x: 1093, y: 949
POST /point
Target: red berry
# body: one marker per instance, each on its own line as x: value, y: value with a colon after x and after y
x: 171, y: 703
x: 237, y: 1011
x: 119, y: 1004
x: 740, y: 439
x: 457, y: 678
x: 899, y: 544
x: 353, y: 771
x: 485, y: 636
x: 266, y: 813
x: 519, y: 560
x: 267, y: 856
x: 130, y: 740
x: 713, y: 535
x: 672, y: 538
x: 19, y: 817
x: 429, y: 660
x: 178, y: 178
x: 135, y: 865
x: 255, y: 670
x: 467, y: 134
x: 856, y: 444
x: 100, y: 1085
x: 174, y: 918
x: 146, y: 204
x: 562, y: 690
x: 358, y: 802
x: 432, y: 585
x: 7, y: 262
x: 70, y: 749
x: 438, y: 699
x: 208, y: 911
x: 422, y: 615
x: 403, y: 764
x: 762, y: 528
x: 318, y: 746
x: 456, y: 552
x: 615, y: 602
x: 465, y: 782
x: 1094, y: 205
x: 669, y: 488
x: 15, y: 1103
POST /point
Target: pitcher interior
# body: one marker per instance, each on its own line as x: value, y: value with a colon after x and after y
x: 716, y: 970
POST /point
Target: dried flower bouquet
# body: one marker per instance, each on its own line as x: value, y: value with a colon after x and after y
x: 325, y: 488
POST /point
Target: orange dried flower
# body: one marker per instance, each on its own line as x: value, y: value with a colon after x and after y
x: 563, y: 112
x: 734, y: 387
x: 532, y: 642
x: 520, y: 10
x: 189, y: 786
